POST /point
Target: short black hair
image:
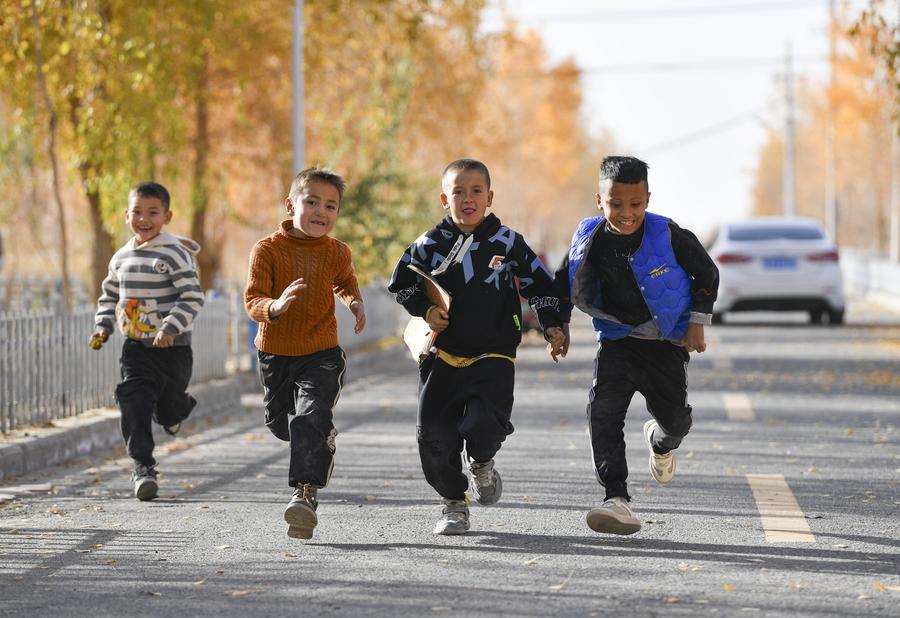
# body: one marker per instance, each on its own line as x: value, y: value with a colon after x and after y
x: 150, y: 189
x: 466, y: 165
x: 627, y: 170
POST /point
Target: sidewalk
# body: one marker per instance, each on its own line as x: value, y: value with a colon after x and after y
x: 35, y: 448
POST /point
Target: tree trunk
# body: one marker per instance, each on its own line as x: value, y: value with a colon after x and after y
x: 54, y: 164
x: 103, y: 243
x: 209, y: 259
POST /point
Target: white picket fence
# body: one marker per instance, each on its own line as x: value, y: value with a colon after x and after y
x: 48, y: 371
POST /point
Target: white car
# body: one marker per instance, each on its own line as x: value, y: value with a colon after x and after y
x: 778, y: 264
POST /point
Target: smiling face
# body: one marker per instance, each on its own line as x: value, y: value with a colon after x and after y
x: 146, y: 217
x: 313, y: 209
x: 467, y: 196
x: 623, y: 205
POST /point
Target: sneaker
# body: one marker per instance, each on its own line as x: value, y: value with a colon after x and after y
x: 145, y: 485
x: 454, y: 517
x: 300, y: 513
x: 486, y: 482
x: 662, y: 467
x: 172, y: 429
x: 613, y: 517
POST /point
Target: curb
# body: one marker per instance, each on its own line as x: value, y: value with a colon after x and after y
x: 98, y: 430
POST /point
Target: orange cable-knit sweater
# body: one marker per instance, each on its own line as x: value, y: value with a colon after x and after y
x: 309, y: 324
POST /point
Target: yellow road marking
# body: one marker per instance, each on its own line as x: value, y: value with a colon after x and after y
x: 782, y: 519
x: 738, y: 407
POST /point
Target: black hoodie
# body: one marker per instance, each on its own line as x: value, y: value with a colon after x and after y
x: 479, y: 274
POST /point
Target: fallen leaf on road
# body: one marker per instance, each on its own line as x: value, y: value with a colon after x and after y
x: 672, y: 600
x: 793, y: 586
x: 727, y: 587
x: 97, y: 545
x: 152, y: 593
x: 369, y: 498
x: 200, y: 582
x: 841, y: 545
x: 532, y: 561
x: 220, y: 571
x: 260, y: 476
x: 892, y: 588
x: 110, y: 562
x: 878, y: 586
x: 288, y: 554
x: 560, y: 585
x: 812, y: 469
x: 186, y: 484
x: 863, y: 597
x: 242, y: 593
x: 850, y: 432
x: 224, y: 547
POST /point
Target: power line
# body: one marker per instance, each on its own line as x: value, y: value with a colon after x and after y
x: 687, y: 11
x: 703, y: 133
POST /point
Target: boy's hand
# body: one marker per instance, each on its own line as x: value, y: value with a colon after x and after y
x: 358, y: 309
x: 291, y: 292
x: 163, y: 340
x: 557, y: 341
x: 693, y: 340
x: 437, y: 318
x: 98, y: 338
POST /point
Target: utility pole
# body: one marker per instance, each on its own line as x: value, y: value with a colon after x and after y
x: 789, y: 204
x: 297, y: 115
x: 831, y: 214
x: 895, y: 184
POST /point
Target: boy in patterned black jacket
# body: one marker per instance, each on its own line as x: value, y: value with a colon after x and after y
x: 466, y: 382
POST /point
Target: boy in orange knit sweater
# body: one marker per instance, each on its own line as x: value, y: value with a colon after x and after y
x: 294, y: 276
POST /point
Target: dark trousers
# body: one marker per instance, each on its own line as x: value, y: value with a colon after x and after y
x: 153, y: 388
x: 657, y: 370
x: 470, y: 405
x: 300, y: 395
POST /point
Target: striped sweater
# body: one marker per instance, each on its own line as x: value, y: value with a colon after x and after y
x: 150, y: 287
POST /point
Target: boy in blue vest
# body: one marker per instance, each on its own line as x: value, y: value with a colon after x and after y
x: 649, y: 286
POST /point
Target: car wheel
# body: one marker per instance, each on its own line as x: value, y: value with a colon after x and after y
x: 817, y: 317
x: 836, y: 317
x: 717, y: 317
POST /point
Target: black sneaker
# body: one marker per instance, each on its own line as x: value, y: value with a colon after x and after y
x: 487, y: 486
x: 145, y: 485
x: 300, y: 513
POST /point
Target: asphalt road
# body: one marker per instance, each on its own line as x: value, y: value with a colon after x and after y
x: 795, y: 434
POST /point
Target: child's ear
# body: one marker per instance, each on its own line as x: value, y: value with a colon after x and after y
x: 445, y: 203
x: 289, y: 206
x: 168, y: 217
x: 599, y: 200
x: 490, y: 198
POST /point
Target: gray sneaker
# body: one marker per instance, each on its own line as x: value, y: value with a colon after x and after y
x: 454, y: 517
x: 300, y: 513
x: 613, y: 517
x: 487, y: 486
x: 145, y: 485
x: 662, y: 467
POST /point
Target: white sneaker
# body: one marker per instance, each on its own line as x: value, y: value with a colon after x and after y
x: 662, y: 467
x: 454, y: 517
x: 487, y: 486
x: 613, y: 517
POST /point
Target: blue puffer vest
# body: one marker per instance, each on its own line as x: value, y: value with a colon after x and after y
x: 665, y: 286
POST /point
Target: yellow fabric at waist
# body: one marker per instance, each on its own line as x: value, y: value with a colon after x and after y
x: 464, y: 361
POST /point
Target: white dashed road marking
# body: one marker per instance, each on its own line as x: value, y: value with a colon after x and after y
x: 782, y: 519
x: 738, y: 407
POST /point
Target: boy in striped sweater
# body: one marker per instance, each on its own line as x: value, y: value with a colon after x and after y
x: 152, y: 293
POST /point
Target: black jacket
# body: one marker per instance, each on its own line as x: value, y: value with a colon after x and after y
x: 485, y: 311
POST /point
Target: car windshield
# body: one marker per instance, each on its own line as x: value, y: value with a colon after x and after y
x: 770, y: 232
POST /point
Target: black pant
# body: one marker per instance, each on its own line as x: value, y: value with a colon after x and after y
x: 300, y: 395
x: 657, y: 370
x: 471, y: 404
x: 153, y: 388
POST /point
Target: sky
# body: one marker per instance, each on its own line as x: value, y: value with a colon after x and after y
x: 689, y: 86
